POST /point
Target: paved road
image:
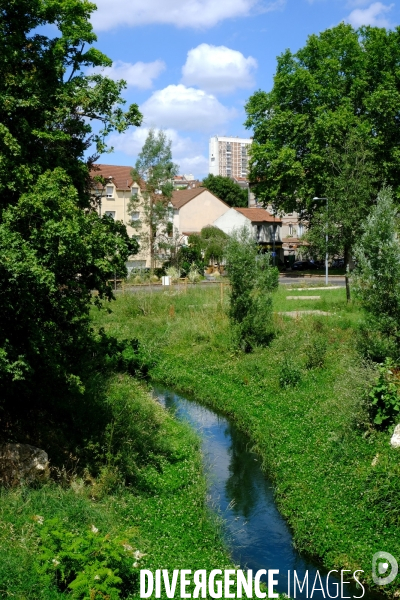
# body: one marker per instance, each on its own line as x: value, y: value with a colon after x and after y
x: 284, y: 280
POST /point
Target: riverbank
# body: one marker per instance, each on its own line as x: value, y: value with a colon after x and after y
x: 78, y: 529
x: 302, y: 402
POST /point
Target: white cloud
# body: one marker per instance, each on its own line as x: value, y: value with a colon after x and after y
x: 138, y: 75
x: 373, y: 15
x: 185, y: 152
x: 218, y: 69
x: 181, y: 13
x: 186, y: 109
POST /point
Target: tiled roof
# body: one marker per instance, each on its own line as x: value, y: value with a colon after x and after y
x: 258, y: 215
x: 121, y: 176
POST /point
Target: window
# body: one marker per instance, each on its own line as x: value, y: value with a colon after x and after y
x: 110, y: 213
x: 135, y: 216
x: 110, y: 191
x: 134, y: 191
x: 300, y: 229
x: 290, y: 229
x: 212, y: 159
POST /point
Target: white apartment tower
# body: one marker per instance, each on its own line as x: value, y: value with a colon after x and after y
x: 228, y: 156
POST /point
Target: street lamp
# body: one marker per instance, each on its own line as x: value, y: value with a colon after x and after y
x: 326, y: 239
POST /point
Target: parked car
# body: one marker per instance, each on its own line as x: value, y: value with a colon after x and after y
x: 304, y: 265
x: 338, y: 263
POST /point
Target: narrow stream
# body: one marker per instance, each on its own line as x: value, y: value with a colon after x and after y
x: 256, y: 534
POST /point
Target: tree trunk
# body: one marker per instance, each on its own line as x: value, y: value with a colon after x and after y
x: 347, y: 266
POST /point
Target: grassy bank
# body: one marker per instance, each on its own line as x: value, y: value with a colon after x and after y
x: 302, y: 401
x: 71, y: 533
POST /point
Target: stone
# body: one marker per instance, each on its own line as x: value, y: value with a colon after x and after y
x: 22, y: 464
x: 395, y: 439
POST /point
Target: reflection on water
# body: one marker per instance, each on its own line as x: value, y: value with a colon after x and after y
x: 257, y: 535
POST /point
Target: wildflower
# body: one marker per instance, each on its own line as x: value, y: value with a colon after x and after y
x: 135, y: 565
x: 94, y: 529
x: 38, y: 519
x: 127, y: 547
x: 97, y: 577
x: 55, y: 562
x: 138, y: 555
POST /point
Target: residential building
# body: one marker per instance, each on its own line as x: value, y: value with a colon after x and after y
x: 194, y: 209
x: 113, y: 200
x: 292, y: 231
x: 266, y: 227
x: 228, y: 156
x: 185, y: 181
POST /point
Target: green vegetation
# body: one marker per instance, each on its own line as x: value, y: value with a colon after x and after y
x: 252, y: 280
x: 226, y: 189
x: 336, y: 476
x: 48, y: 538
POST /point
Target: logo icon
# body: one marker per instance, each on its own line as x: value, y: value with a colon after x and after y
x: 381, y: 574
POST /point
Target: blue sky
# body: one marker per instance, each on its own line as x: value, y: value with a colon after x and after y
x: 192, y: 64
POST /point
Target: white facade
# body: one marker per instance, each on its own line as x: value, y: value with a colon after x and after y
x: 228, y: 156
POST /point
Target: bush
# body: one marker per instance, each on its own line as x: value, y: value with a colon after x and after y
x: 252, y: 280
x: 316, y: 353
x: 290, y: 373
x: 377, y: 276
x: 384, y: 396
x: 87, y: 563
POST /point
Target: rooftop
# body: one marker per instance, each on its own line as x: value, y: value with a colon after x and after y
x: 258, y: 215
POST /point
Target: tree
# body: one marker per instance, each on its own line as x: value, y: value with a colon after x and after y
x: 377, y: 278
x: 211, y: 242
x: 55, y: 250
x: 340, y: 90
x: 226, y: 189
x: 252, y: 280
x: 154, y: 172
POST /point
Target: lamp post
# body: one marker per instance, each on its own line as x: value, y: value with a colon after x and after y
x: 326, y: 239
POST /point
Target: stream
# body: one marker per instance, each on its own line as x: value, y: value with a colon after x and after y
x: 256, y: 534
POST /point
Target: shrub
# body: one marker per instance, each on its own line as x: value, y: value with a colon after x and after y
x: 290, y: 373
x: 193, y: 275
x: 384, y: 396
x: 174, y: 273
x: 252, y: 280
x: 316, y: 353
x: 87, y: 563
x: 377, y: 276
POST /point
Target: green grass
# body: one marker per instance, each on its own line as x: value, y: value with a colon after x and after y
x: 164, y: 515
x: 337, y: 480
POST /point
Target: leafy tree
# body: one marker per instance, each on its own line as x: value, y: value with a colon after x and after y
x: 252, y: 280
x: 340, y: 91
x: 53, y: 253
x: 377, y: 278
x: 226, y: 189
x: 154, y: 172
x: 211, y: 242
x: 189, y: 257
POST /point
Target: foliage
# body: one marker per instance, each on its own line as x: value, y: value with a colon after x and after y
x: 47, y: 99
x: 384, y: 395
x: 174, y: 273
x: 154, y: 172
x: 328, y: 128
x: 377, y: 277
x: 226, y: 189
x: 252, y: 280
x: 194, y: 276
x: 211, y: 242
x: 56, y: 252
x: 88, y: 563
x: 290, y: 373
x: 316, y: 352
x: 189, y: 255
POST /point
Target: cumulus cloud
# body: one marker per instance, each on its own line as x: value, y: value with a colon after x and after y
x: 185, y: 152
x: 186, y: 109
x: 181, y: 13
x: 372, y: 15
x: 139, y: 74
x: 218, y: 69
